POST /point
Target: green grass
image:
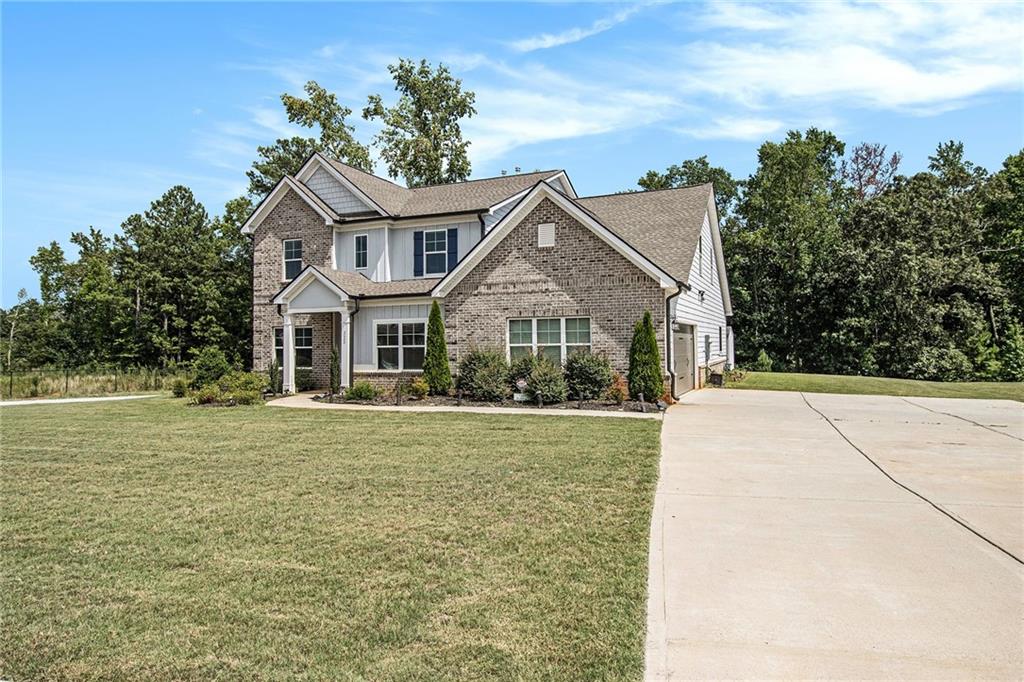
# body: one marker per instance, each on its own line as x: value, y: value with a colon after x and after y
x: 827, y: 383
x: 149, y: 540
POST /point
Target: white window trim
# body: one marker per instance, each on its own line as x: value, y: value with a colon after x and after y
x: 561, y: 335
x: 426, y: 253
x: 285, y: 261
x: 355, y: 250
x: 310, y: 347
x: 401, y: 358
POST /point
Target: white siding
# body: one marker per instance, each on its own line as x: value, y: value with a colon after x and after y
x: 364, y: 327
x: 401, y: 247
x: 345, y: 252
x: 334, y: 194
x: 315, y: 295
x: 709, y: 316
x: 490, y: 220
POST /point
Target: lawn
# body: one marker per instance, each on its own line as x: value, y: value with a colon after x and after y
x: 153, y: 540
x: 827, y: 383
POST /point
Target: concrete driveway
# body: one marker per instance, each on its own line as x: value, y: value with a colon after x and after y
x: 778, y: 550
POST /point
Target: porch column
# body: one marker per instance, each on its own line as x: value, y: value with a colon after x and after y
x: 345, y: 347
x: 730, y: 348
x: 289, y: 354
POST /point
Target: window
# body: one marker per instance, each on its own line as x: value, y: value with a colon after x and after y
x: 435, y: 252
x: 700, y: 254
x: 719, y: 338
x: 401, y: 345
x: 553, y: 338
x: 361, y: 248
x: 292, y: 258
x: 303, y: 347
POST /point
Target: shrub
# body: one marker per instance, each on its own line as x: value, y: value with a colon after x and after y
x: 547, y: 382
x: 209, y: 365
x: 206, y: 395
x: 179, y: 388
x: 618, y: 391
x: 1011, y: 354
x: 587, y: 374
x: 275, y: 377
x: 234, y: 388
x: 436, y: 372
x: 942, y: 364
x: 361, y: 390
x: 763, y: 363
x: 335, y: 371
x: 417, y: 388
x: 304, y: 379
x: 645, y: 361
x: 521, y: 368
x: 243, y: 382
x: 483, y: 375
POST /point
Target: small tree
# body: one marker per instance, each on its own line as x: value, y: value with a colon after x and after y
x: 436, y: 371
x: 335, y: 371
x: 276, y: 379
x: 645, y: 361
x: 209, y: 364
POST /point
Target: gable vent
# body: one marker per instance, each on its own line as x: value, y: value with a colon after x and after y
x: 546, y: 234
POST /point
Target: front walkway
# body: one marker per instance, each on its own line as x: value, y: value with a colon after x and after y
x: 59, y: 401
x: 305, y: 400
x: 778, y: 550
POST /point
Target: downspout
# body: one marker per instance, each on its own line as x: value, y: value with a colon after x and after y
x: 483, y: 227
x: 668, y: 337
x: 351, y: 346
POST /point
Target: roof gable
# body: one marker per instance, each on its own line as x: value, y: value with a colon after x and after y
x: 284, y: 185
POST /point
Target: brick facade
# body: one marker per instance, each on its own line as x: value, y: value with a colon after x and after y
x: 292, y: 218
x: 581, y: 276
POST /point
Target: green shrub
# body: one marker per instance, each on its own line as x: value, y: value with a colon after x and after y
x: 942, y: 364
x: 763, y: 363
x: 588, y: 375
x: 205, y: 395
x: 243, y: 382
x: 436, y: 372
x: 275, y: 376
x: 179, y: 388
x: 1011, y: 354
x: 645, y: 361
x: 618, y: 391
x: 234, y: 388
x: 209, y: 364
x: 483, y: 375
x: 417, y: 388
x: 361, y: 390
x: 521, y: 368
x: 304, y: 379
x: 335, y: 371
x: 547, y: 382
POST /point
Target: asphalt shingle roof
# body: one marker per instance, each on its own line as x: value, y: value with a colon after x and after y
x: 359, y: 286
x: 664, y: 225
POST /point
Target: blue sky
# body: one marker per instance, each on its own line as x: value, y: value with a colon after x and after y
x: 105, y: 106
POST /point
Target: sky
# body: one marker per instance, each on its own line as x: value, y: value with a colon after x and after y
x: 106, y: 106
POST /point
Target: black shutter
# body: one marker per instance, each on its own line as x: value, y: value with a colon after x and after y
x: 417, y: 253
x: 453, y: 247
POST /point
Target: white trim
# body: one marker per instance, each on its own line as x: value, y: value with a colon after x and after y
x: 400, y: 346
x: 307, y: 171
x: 355, y: 250
x: 545, y: 230
x: 539, y: 192
x: 267, y: 205
x: 716, y: 243
x: 444, y: 252
x: 397, y: 300
x: 567, y: 183
x: 561, y: 334
x: 302, y: 280
x: 295, y: 327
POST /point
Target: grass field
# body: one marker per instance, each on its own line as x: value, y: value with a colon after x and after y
x: 826, y: 383
x: 152, y: 540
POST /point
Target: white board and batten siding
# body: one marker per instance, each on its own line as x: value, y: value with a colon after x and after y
x: 708, y: 315
x: 334, y: 194
x: 364, y: 327
x: 345, y: 252
x: 401, y: 246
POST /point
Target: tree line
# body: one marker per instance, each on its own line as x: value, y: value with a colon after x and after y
x: 837, y: 263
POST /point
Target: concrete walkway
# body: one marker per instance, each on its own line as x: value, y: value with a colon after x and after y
x: 62, y: 401
x: 305, y: 400
x: 779, y: 551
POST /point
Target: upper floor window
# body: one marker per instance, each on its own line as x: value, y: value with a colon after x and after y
x: 551, y: 337
x: 435, y: 252
x: 292, y: 258
x: 361, y: 251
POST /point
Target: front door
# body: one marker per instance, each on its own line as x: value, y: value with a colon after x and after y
x: 682, y: 350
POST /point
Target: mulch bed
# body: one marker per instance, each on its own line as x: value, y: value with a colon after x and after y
x: 450, y: 401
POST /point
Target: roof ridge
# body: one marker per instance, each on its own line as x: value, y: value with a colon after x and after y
x: 491, y: 177
x: 645, y: 191
x: 360, y: 170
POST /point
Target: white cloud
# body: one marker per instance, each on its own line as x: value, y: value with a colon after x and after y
x: 573, y: 35
x: 734, y: 128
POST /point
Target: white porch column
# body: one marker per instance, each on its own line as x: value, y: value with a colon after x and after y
x: 730, y: 348
x: 345, y: 347
x: 289, y: 354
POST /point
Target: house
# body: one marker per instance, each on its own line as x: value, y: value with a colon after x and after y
x: 344, y: 259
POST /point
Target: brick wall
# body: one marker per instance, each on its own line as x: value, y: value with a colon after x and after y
x: 292, y: 218
x: 385, y: 381
x: 580, y: 276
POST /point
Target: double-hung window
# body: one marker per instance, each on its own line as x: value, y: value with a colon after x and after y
x: 401, y: 345
x: 361, y: 251
x: 303, y: 347
x: 435, y: 252
x: 292, y: 258
x: 552, y: 337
